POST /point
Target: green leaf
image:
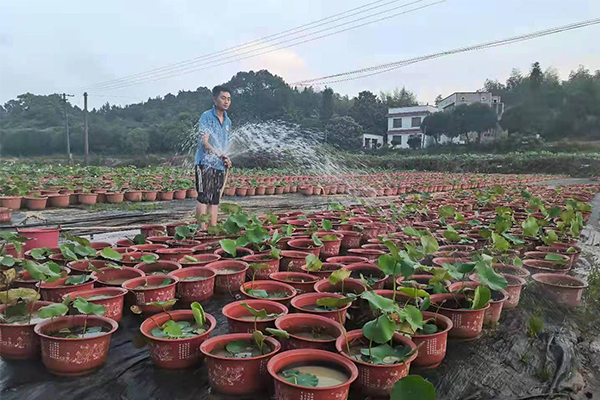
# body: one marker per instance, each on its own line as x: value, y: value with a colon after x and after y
x: 517, y: 262
x: 7, y: 261
x: 40, y: 253
x: 183, y: 232
x: 440, y: 275
x: 262, y: 313
x: 387, y: 263
x: 339, y: 276
x: 230, y: 208
x: 198, y: 312
x: 555, y: 257
x: 386, y: 355
x: 257, y: 235
x: 52, y: 310
x: 482, y: 297
x: 12, y: 296
x: 410, y: 231
x: 316, y: 240
x: 327, y: 225
x: 77, y: 279
x: 313, y: 263
x: 296, y: 377
x: 413, y: 316
x: 148, y: 258
x: 258, y: 293
x: 380, y: 330
x: 139, y: 239
x: 259, y: 267
x: 447, y: 211
x: 111, y: 254
x: 229, y: 246
x: 89, y: 308
x: 172, y: 329
x: 500, y: 244
x: 334, y: 302
x: 68, y: 251
x: 280, y: 333
x: 84, y: 251
x: 378, y: 302
x: 530, y: 227
x: 430, y: 245
x: 488, y: 277
x: 425, y: 304
x: 452, y: 236
x: 412, y: 292
x: 392, y: 248
x: 413, y: 387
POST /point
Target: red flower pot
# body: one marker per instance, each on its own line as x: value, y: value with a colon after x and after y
x: 87, y: 199
x: 150, y: 247
x: 306, y: 303
x: 231, y: 274
x: 114, y: 197
x: 376, y: 380
x: 112, y: 277
x: 70, y: 356
x: 262, y: 259
x: 40, y: 237
x: 180, y: 194
x: 240, y: 253
x: 81, y: 267
x: 467, y: 324
x: 326, y: 269
x: 114, y: 304
x: 542, y: 266
x: 5, y: 214
x: 240, y: 320
x: 305, y: 245
x: 19, y: 342
x: 165, y: 196
x: 189, y: 291
x: 175, y: 353
x: 292, y: 261
x: 350, y: 286
x: 143, y: 296
x: 173, y: 254
x: 55, y: 291
x: 203, y: 260
x: 298, y: 323
x: 269, y: 286
x: 58, y: 200
x: 153, y: 230
x: 189, y: 244
x: 159, y: 267
x: 12, y: 202
x: 289, y: 391
x: 331, y: 248
x: 505, y: 269
x: 237, y: 376
x: 302, y: 282
x: 35, y: 203
x: 370, y: 254
x: 366, y: 270
x: 563, y: 289
x: 433, y: 350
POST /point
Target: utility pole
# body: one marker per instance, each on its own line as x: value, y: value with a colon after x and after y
x: 86, y: 149
x: 64, y: 99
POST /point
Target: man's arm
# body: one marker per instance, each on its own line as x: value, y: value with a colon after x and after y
x: 204, y: 142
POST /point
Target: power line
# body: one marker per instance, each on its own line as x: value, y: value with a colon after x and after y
x: 252, y: 43
x: 188, y: 70
x: 379, y: 69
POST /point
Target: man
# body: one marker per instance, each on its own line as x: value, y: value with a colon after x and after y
x: 214, y: 129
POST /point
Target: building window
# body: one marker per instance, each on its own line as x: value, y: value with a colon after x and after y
x: 462, y: 97
x: 483, y: 98
x: 397, y: 140
x: 495, y: 100
x: 397, y: 123
x: 416, y: 122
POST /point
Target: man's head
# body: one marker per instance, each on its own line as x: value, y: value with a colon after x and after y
x: 222, y: 97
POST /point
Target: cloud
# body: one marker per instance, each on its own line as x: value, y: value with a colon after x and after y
x: 285, y: 63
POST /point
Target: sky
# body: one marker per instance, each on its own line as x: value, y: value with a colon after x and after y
x: 67, y: 45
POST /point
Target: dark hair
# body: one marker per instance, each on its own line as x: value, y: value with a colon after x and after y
x: 218, y: 89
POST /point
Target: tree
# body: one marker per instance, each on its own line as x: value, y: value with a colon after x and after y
x: 414, y: 142
x: 370, y: 113
x: 480, y: 118
x: 438, y: 99
x: 326, y: 105
x: 536, y: 76
x: 344, y: 133
x: 436, y: 124
x: 398, y: 98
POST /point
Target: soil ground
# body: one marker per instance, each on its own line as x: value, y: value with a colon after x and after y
x: 563, y: 361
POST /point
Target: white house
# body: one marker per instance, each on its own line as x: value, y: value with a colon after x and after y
x: 458, y: 98
x: 372, y: 141
x: 405, y: 122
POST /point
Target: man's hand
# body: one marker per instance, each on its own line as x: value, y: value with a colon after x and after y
x: 227, y: 161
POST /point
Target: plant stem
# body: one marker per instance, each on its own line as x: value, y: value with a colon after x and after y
x: 84, y: 326
x: 394, y: 294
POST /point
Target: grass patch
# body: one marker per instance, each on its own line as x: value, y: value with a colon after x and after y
x: 125, y: 207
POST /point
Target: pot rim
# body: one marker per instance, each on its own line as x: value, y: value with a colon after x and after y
x: 537, y: 279
x: 250, y: 302
x: 276, y: 346
x: 320, y: 318
x: 289, y: 289
x: 38, y: 328
x: 448, y: 321
x: 209, y: 317
x: 175, y: 279
x: 120, y: 292
x: 341, y: 341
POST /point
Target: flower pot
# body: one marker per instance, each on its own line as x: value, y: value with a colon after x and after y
x: 302, y: 282
x: 174, y: 254
x: 114, y: 197
x: 237, y: 376
x: 112, y: 277
x: 351, y: 239
x: 19, y: 341
x: 231, y: 274
x: 292, y: 260
x: 306, y: 303
x: 262, y: 259
x: 365, y: 269
x: 165, y: 196
x: 285, y: 390
x: 153, y: 230
x: 87, y: 199
x: 542, y: 266
x: 433, y: 350
x: 202, y: 260
x: 331, y: 248
x: 143, y: 296
x: 230, y: 191
x: 376, y: 380
x: 40, y: 237
x: 505, y: 269
x: 5, y: 214
x: 55, y: 291
x: 189, y: 291
x: 35, y: 203
x: 191, y: 193
x: 305, y: 245
x: 12, y: 202
x: 298, y: 325
x: 370, y: 254
x: 240, y: 320
x: 159, y: 267
x: 100, y: 245
x: 269, y: 286
x: 133, y: 258
x: 149, y: 247
x: 347, y: 260
x: 175, y: 353
x: 241, y: 191
x: 70, y: 356
x: 133, y: 195
x: 58, y: 200
x: 186, y: 243
x: 180, y: 194
x: 251, y: 191
x: 326, y: 269
x: 350, y: 286
x: 81, y: 267
x: 467, y: 324
x: 270, y: 190
x: 149, y: 195
x: 114, y: 304
x: 564, y: 289
x: 241, y: 252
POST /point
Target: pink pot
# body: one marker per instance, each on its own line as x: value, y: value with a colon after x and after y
x: 297, y: 323
x: 347, y: 260
x: 241, y: 320
x: 292, y: 261
x: 143, y: 296
x: 350, y: 286
x: 55, y: 291
x: 112, y: 277
x: 19, y: 342
x: 467, y: 324
x: 370, y: 254
x: 159, y: 267
x: 306, y: 303
x: 563, y: 289
x: 114, y: 304
x: 302, y: 282
x: 174, y: 254
x: 198, y: 290
x: 305, y: 245
x: 366, y: 270
x: 262, y: 259
x: 231, y: 274
x: 433, y: 350
x: 40, y: 237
